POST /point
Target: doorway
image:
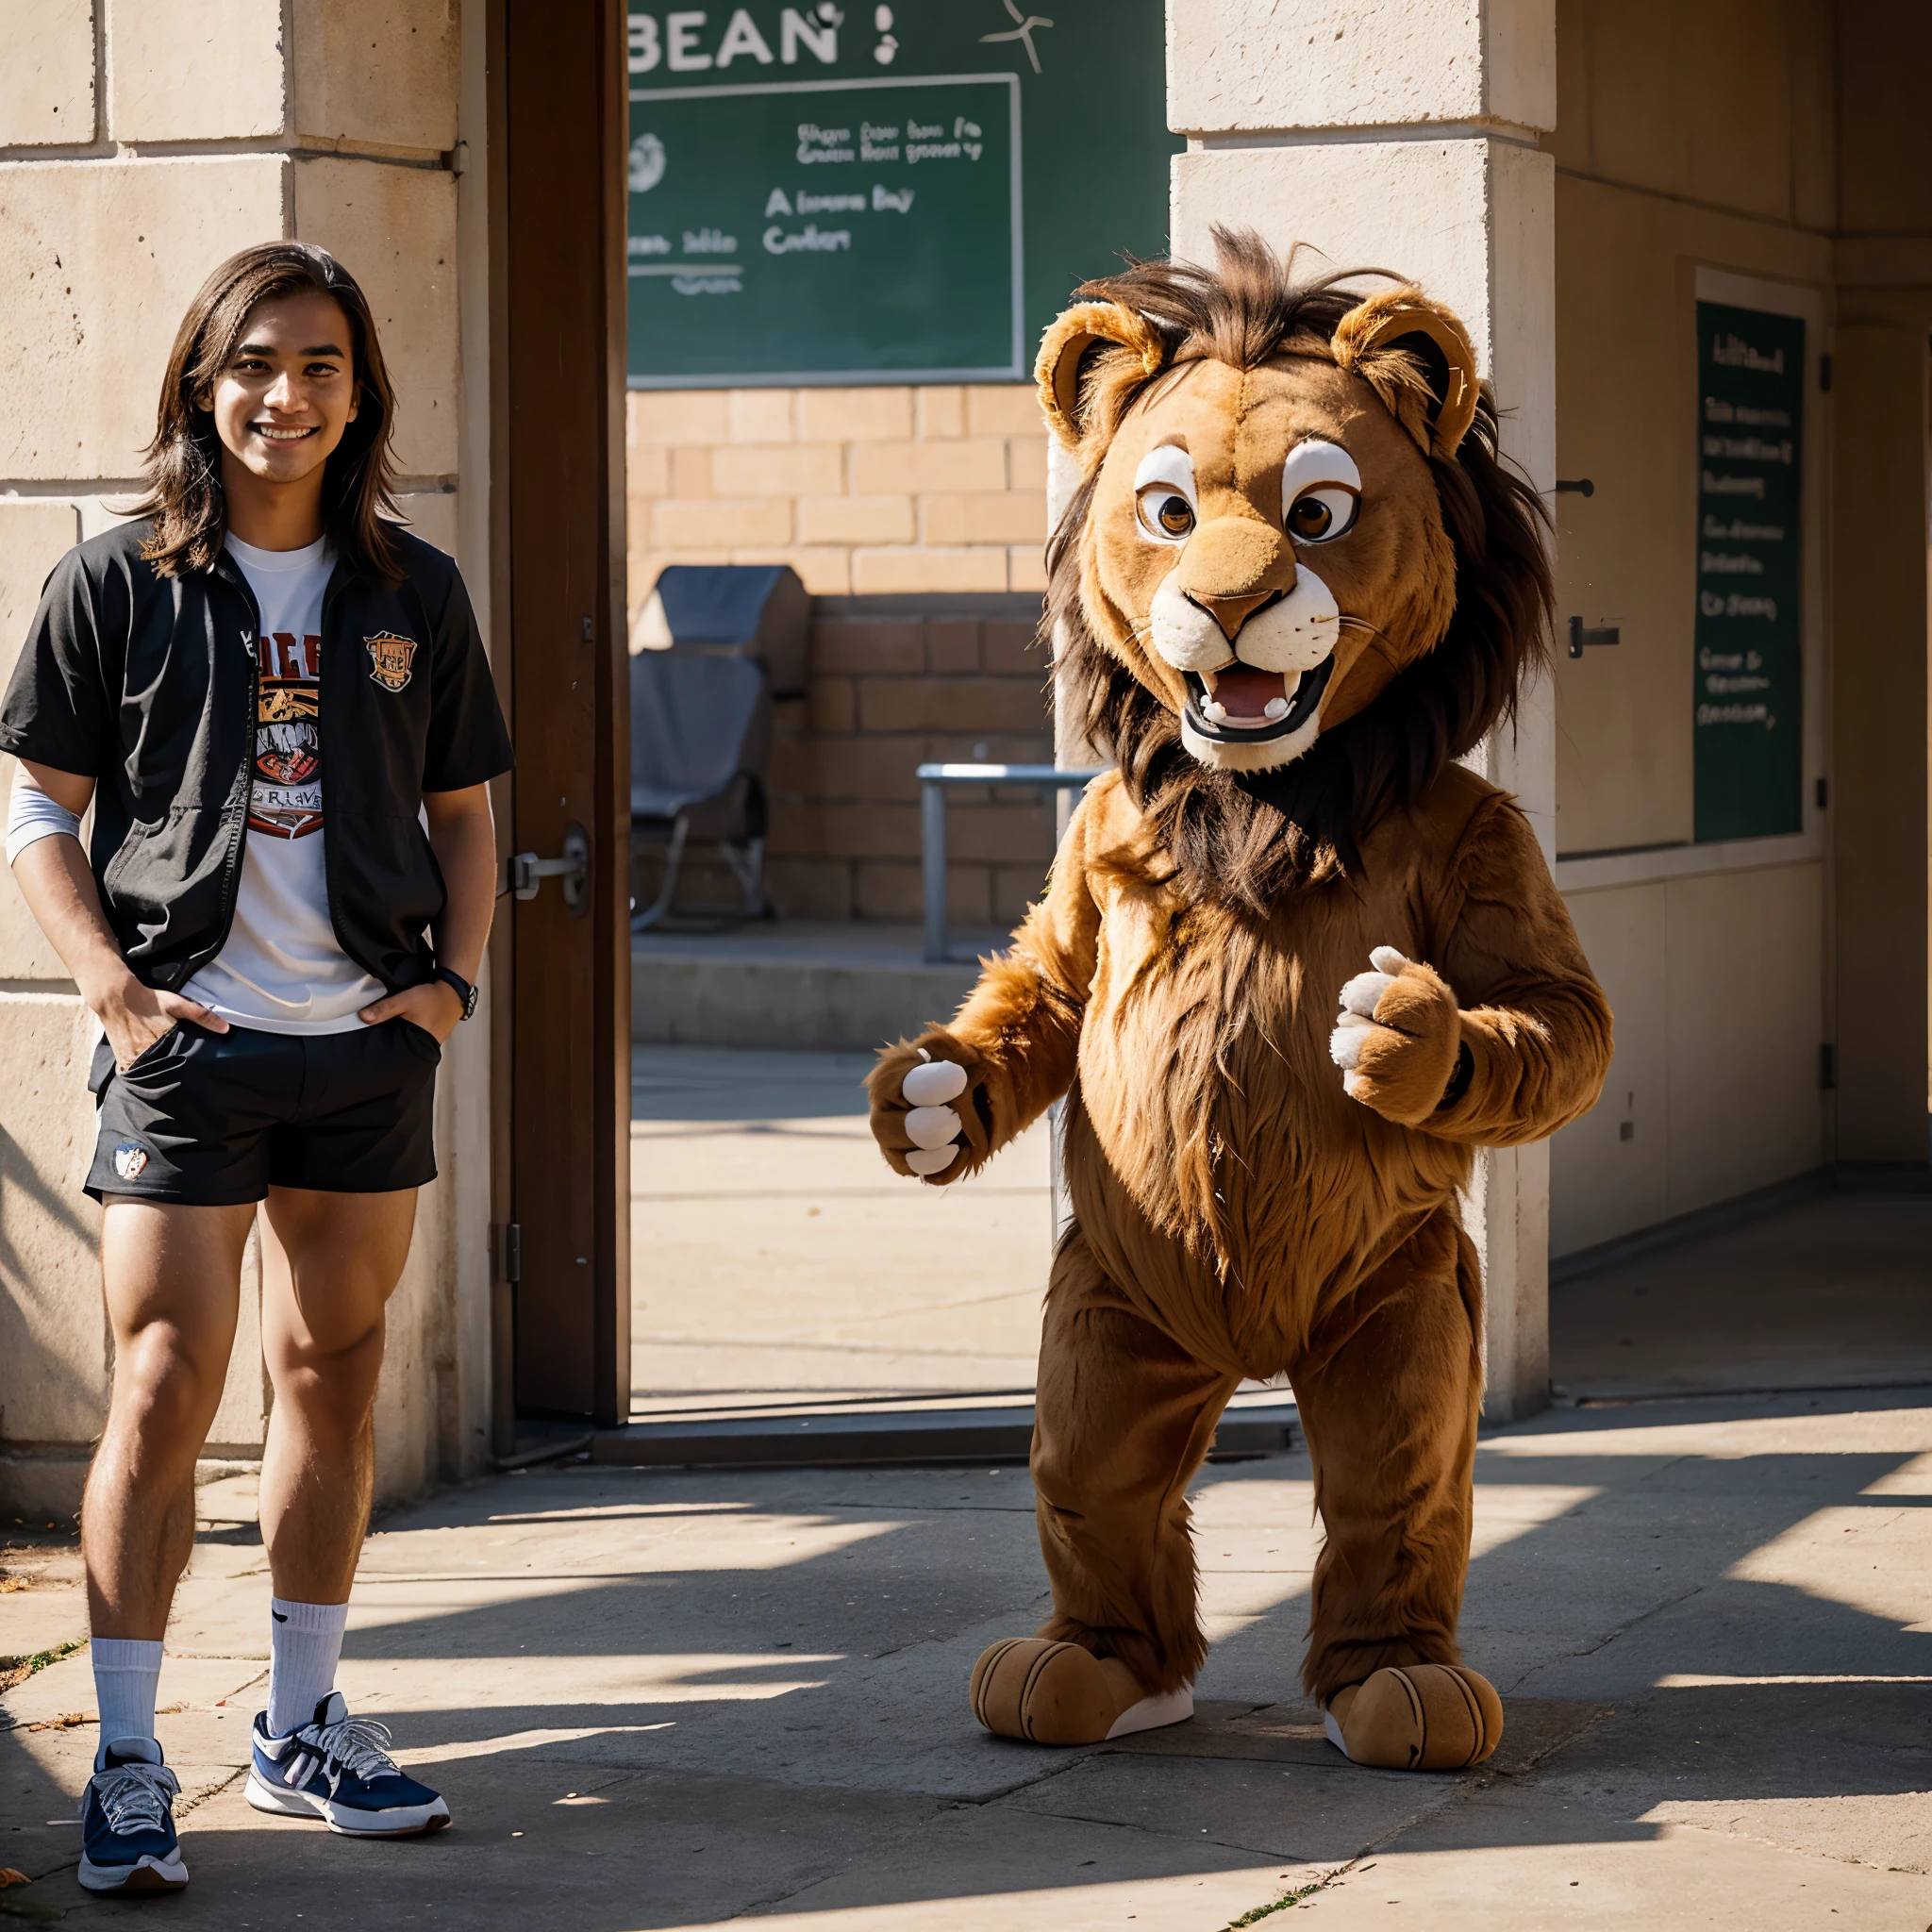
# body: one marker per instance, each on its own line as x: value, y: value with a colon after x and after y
x: 560, y: 953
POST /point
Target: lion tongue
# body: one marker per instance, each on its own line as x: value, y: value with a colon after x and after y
x: 1243, y: 691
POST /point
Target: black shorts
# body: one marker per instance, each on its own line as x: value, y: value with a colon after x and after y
x: 213, y: 1119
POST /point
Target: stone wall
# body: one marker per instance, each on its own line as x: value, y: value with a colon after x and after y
x: 139, y: 145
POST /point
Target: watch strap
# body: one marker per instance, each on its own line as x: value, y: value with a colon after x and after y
x: 465, y: 992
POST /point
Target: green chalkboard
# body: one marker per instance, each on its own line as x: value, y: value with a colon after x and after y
x: 828, y: 195
x: 1748, y: 722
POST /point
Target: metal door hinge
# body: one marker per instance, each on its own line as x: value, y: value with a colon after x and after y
x: 512, y: 1252
x: 1581, y: 637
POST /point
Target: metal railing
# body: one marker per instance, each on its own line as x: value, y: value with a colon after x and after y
x: 933, y: 780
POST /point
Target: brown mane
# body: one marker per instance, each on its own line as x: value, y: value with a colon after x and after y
x: 1245, y: 838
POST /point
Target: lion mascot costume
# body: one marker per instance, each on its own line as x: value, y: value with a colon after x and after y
x: 1293, y: 964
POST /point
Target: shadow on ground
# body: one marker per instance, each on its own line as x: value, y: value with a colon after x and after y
x: 670, y: 1699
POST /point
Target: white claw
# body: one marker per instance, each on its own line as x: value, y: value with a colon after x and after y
x: 1345, y: 1043
x: 1361, y: 993
x: 1386, y: 959
x: 932, y: 1126
x: 929, y: 1161
x: 934, y: 1083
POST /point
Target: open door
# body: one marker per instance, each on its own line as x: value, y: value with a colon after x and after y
x: 564, y: 945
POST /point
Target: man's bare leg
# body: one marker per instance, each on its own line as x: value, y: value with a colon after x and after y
x: 330, y: 1265
x: 172, y: 1282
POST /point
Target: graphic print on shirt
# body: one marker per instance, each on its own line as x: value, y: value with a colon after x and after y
x: 286, y: 800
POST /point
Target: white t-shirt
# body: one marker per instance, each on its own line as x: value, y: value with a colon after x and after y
x: 282, y: 969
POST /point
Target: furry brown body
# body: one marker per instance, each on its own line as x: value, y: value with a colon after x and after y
x: 1242, y: 1209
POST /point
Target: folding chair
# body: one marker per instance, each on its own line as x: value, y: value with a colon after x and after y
x: 700, y: 739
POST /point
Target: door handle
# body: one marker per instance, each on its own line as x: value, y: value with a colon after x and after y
x: 572, y: 869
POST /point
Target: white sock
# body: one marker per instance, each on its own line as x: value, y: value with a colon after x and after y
x: 306, y: 1643
x: 128, y: 1670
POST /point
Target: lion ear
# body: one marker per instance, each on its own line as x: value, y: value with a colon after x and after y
x: 1064, y: 351
x: 1416, y: 356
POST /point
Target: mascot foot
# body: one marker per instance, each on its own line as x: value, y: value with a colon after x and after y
x: 1423, y: 1717
x: 1059, y: 1693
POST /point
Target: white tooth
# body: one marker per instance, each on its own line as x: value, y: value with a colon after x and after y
x: 1275, y: 707
x: 1215, y: 714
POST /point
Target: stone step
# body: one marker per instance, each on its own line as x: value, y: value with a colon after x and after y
x: 833, y: 987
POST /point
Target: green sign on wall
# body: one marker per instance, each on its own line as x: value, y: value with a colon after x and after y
x: 1749, y: 725
x: 883, y: 193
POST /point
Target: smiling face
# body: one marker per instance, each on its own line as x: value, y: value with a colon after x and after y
x: 1264, y: 551
x: 286, y: 391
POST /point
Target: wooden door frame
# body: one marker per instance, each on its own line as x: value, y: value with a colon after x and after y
x: 601, y: 208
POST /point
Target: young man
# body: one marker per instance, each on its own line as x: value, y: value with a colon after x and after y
x: 277, y: 704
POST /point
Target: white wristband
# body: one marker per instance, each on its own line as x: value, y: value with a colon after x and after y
x: 31, y: 815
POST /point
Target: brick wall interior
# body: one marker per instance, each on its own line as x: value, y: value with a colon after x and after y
x: 863, y: 491
x: 895, y: 682
x: 916, y: 518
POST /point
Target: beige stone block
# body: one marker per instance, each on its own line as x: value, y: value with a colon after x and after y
x: 54, y: 1350
x: 47, y: 77
x: 195, y: 69
x: 856, y: 519
x: 994, y: 516
x: 1026, y: 568
x: 372, y: 71
x: 647, y: 470
x: 1026, y: 462
x: 690, y: 471
x: 760, y: 415
x: 941, y: 410
x: 1002, y: 409
x: 679, y: 525
x: 854, y: 415
x: 432, y: 515
x: 876, y: 572
x: 885, y: 469
x: 395, y: 228
x: 773, y: 470
x: 823, y: 569
x: 1245, y: 65
x: 98, y: 260
x: 1411, y: 207
x: 679, y: 415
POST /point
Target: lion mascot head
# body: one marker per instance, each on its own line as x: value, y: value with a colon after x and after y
x: 1296, y: 578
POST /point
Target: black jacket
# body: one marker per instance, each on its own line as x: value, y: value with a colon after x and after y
x: 147, y: 684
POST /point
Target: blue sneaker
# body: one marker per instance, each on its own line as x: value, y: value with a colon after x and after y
x: 338, y: 1768
x: 127, y: 1821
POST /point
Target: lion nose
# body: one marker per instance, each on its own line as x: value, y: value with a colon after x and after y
x: 1230, y: 613
x: 1233, y: 566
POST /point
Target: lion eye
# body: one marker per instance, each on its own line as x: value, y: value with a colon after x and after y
x: 1166, y: 514
x: 1318, y: 515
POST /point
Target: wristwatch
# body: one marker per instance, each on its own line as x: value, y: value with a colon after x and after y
x: 465, y: 992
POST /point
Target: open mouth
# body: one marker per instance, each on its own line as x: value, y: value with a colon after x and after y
x: 1240, y: 703
x: 277, y: 432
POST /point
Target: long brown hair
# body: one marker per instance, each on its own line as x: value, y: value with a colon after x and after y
x: 184, y: 462
x: 1244, y: 837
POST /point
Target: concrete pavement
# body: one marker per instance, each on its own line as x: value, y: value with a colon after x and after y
x: 674, y: 1699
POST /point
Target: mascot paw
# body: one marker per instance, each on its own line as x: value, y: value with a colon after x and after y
x: 1423, y: 1717
x: 1397, y: 1039
x: 1059, y: 1693
x: 922, y: 1117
